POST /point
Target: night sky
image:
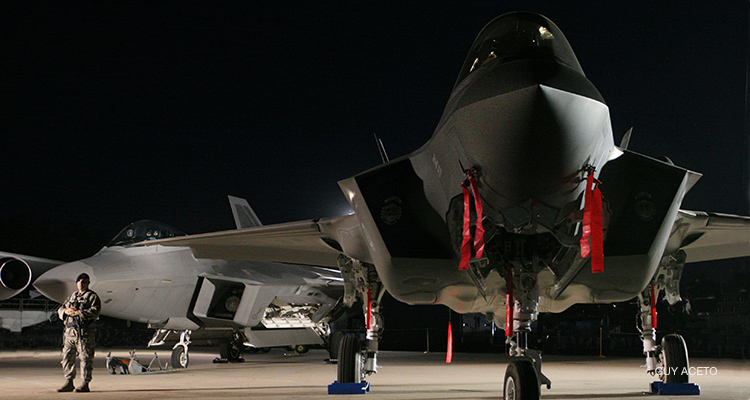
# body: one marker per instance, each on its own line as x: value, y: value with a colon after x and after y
x: 116, y: 113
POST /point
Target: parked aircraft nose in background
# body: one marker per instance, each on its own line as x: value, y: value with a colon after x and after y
x: 59, y: 282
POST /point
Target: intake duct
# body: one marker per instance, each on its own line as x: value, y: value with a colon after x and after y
x: 15, y: 276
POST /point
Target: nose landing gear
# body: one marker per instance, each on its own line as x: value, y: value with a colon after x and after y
x: 180, y: 358
x: 524, y: 376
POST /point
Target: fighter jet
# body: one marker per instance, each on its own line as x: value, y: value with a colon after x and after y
x: 233, y: 302
x: 519, y: 203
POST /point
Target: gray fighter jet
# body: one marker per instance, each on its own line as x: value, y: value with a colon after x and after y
x: 520, y: 203
x: 232, y: 302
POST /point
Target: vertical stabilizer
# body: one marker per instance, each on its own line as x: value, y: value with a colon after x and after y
x: 244, y: 216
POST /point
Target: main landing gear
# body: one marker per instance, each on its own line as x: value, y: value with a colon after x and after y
x: 669, y: 361
x: 356, y: 360
x: 232, y: 350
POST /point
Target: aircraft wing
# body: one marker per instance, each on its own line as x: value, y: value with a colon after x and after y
x: 713, y: 236
x: 312, y: 242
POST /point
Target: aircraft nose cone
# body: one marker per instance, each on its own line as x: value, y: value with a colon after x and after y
x: 532, y: 143
x: 59, y: 282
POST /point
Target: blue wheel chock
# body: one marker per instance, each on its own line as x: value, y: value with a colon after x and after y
x: 349, y: 388
x: 675, y: 389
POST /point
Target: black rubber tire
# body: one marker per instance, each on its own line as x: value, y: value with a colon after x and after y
x: 235, y: 352
x: 301, y: 349
x: 180, y: 359
x: 521, y: 382
x: 348, y: 358
x: 232, y: 349
x: 675, y: 356
x: 334, y: 341
x: 229, y: 352
x: 224, y: 351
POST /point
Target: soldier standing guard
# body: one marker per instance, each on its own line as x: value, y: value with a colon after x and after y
x: 79, y: 314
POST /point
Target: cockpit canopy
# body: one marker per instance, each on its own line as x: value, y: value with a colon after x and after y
x: 519, y: 36
x: 144, y: 230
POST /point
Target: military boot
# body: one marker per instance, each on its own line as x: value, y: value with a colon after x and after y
x: 83, y: 388
x: 68, y: 387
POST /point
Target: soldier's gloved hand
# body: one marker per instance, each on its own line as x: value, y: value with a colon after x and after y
x: 72, y: 312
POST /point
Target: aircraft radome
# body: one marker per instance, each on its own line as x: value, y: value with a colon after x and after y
x: 520, y: 203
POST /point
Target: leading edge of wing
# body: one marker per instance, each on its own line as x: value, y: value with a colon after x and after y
x: 714, y: 236
x: 312, y: 242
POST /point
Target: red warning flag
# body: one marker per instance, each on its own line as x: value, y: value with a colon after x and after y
x: 471, y: 183
x: 586, y: 226
x: 592, y: 227
x: 597, y: 233
x: 465, y: 244
x: 449, y: 353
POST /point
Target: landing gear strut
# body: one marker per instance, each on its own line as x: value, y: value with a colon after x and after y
x: 524, y: 376
x: 670, y: 360
x: 357, y: 360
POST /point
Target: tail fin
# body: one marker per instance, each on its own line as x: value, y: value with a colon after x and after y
x: 244, y: 216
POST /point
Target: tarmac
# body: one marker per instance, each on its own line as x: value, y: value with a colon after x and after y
x: 27, y: 374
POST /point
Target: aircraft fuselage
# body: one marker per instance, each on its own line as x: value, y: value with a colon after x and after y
x: 526, y: 118
x: 160, y: 285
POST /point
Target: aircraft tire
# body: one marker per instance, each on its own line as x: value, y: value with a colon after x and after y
x: 301, y: 349
x: 180, y: 358
x: 230, y: 352
x: 349, y: 368
x: 521, y: 382
x: 224, y: 351
x: 675, y: 357
x: 334, y: 341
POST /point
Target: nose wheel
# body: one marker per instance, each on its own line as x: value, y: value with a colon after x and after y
x: 180, y: 358
x: 521, y: 382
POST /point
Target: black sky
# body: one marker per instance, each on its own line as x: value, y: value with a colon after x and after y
x: 116, y: 113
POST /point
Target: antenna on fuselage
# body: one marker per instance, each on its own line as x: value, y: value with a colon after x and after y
x: 381, y: 149
x: 626, y: 139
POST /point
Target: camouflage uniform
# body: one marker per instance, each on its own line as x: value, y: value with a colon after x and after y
x: 79, y: 336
